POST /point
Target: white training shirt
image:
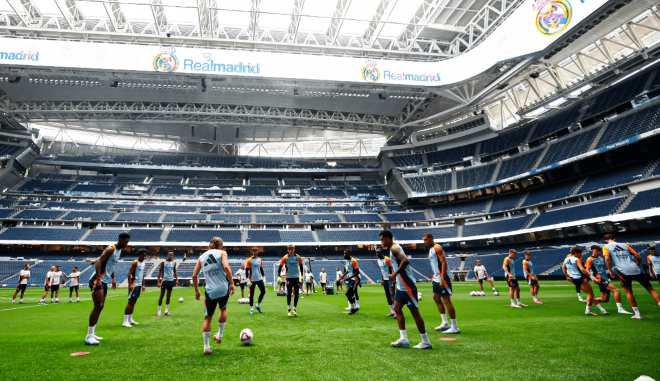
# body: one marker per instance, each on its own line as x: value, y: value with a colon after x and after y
x: 308, y: 277
x: 481, y: 271
x: 74, y: 279
x: 24, y: 273
x: 241, y: 274
x: 324, y: 277
x: 339, y: 274
x: 55, y: 277
x: 47, y: 277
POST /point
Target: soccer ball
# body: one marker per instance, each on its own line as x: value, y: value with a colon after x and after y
x: 247, y: 336
x: 471, y: 293
x: 497, y: 293
x: 180, y: 300
x: 419, y: 296
x: 483, y: 293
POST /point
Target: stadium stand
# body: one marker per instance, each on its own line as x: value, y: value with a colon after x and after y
x: 518, y: 164
x: 42, y: 234
x: 203, y: 235
x: 580, y: 212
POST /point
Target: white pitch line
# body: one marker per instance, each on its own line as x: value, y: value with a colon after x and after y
x: 38, y: 305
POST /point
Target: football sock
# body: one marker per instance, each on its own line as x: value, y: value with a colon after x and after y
x: 251, y: 308
x: 636, y: 310
x: 513, y: 302
x: 21, y: 299
x: 601, y: 308
x: 167, y: 308
x: 258, y: 304
x: 518, y: 299
x: 535, y: 298
x: 70, y: 299
x: 588, y: 310
x: 221, y: 329
x: 580, y: 297
x: 358, y: 303
x: 57, y: 299
x: 51, y: 300
x: 619, y: 306
x: 90, y: 331
x: 425, y: 338
x: 404, y: 334
x: 294, y: 308
x: 158, y: 309
x: 207, y: 336
x: 444, y: 318
x: 127, y: 319
x: 392, y: 308
x: 288, y: 307
x: 493, y: 289
x: 454, y: 324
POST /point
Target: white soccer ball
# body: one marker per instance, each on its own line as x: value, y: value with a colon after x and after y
x: 483, y: 293
x: 419, y: 296
x: 497, y: 293
x: 471, y: 293
x: 180, y: 300
x: 246, y: 336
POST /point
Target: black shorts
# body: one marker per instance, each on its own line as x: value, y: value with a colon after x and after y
x: 71, y: 288
x: 408, y: 298
x: 167, y: 285
x: 512, y: 282
x: 134, y: 293
x: 447, y: 291
x: 322, y: 284
x: 21, y: 287
x: 258, y: 283
x: 603, y: 286
x: 338, y: 283
x: 579, y: 282
x: 308, y: 284
x: 211, y: 304
x: 627, y: 280
x: 46, y: 288
x: 95, y: 285
x: 293, y: 283
x: 532, y: 282
x: 386, y: 283
x: 55, y: 287
x: 352, y: 284
x: 282, y: 284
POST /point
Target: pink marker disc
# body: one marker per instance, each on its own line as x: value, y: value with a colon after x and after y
x: 447, y: 339
x: 345, y: 312
x: 80, y: 354
x: 154, y: 317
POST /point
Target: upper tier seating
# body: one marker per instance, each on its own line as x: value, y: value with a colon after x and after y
x: 557, y: 121
x: 500, y: 226
x: 575, y: 145
x: 362, y: 217
x: 94, y: 188
x: 505, y: 202
x: 504, y: 141
x: 9, y: 268
x: 31, y: 214
x: 263, y: 235
x: 312, y: 218
x: 138, y: 217
x: 137, y: 235
x: 414, y: 216
x: 77, y: 205
x: 630, y: 125
x: 550, y: 193
x: 167, y: 208
x: 183, y: 217
x: 94, y: 216
x: 326, y: 193
x: 433, y: 183
x: 451, y: 155
x: 287, y: 236
x: 275, y: 218
x: 613, y: 177
x: 203, y: 235
x: 42, y: 234
x: 579, y: 212
x: 450, y: 231
x: 644, y: 200
x: 474, y: 176
x: 408, y: 160
x: 457, y: 209
x: 348, y: 235
x: 518, y: 164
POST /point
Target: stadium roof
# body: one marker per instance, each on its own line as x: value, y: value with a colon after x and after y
x: 397, y: 29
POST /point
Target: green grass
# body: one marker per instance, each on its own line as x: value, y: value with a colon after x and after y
x: 554, y: 341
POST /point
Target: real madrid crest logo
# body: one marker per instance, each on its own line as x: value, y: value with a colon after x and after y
x: 553, y: 16
x: 166, y: 61
x: 370, y: 72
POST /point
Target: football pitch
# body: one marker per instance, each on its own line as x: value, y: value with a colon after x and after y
x: 553, y: 341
